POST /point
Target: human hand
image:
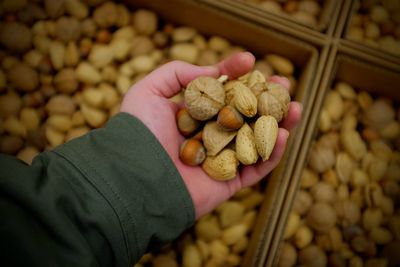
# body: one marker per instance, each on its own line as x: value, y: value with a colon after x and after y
x: 148, y: 100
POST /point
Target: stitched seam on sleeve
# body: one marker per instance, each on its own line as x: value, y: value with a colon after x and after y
x: 170, y: 171
x: 87, y: 176
x: 45, y: 161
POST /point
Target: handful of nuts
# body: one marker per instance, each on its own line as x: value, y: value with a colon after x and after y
x: 230, y: 122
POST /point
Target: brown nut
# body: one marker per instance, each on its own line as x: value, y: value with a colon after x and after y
x: 229, y: 118
x: 186, y: 124
x: 192, y: 152
x: 204, y: 97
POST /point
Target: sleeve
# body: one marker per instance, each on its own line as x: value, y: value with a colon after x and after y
x: 100, y: 200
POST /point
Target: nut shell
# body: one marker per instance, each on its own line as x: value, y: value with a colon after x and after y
x: 192, y: 152
x: 186, y: 124
x: 266, y: 132
x: 215, y: 138
x: 244, y: 99
x: 229, y: 118
x: 204, y: 97
x: 222, y: 166
x: 246, y: 151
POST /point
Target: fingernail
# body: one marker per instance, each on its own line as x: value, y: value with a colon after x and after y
x: 247, y: 53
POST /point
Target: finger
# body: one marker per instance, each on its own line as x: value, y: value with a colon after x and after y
x: 281, y: 80
x: 237, y: 65
x: 293, y: 117
x: 252, y: 174
x: 168, y: 79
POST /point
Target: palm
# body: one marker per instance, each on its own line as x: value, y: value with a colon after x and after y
x: 148, y: 101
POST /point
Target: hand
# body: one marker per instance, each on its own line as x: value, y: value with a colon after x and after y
x: 148, y: 100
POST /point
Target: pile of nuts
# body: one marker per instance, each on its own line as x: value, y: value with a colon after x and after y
x: 65, y: 66
x: 306, y: 12
x: 347, y: 210
x: 377, y: 24
x: 224, y: 107
x: 217, y: 240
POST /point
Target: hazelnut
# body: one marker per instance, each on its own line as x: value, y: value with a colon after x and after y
x: 192, y: 152
x: 229, y: 118
x: 186, y: 124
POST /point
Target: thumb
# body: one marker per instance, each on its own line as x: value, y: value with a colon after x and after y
x: 167, y: 80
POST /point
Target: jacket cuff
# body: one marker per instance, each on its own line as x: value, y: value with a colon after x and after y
x: 130, y: 169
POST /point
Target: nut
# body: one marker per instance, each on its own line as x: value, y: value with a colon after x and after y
x: 303, y: 237
x: 15, y: 37
x: 207, y: 229
x: 204, y: 97
x: 101, y: 55
x: 288, y: 255
x: 86, y: 73
x: 23, y: 77
x: 323, y: 192
x: 28, y: 154
x: 321, y: 217
x: 292, y: 225
x: 344, y: 166
x: 185, y: 51
x: 231, y: 213
x: 94, y: 117
x: 244, y: 100
x: 192, y: 152
x: 265, y: 133
x: 282, y: 65
x: 60, y: 104
x: 215, y: 138
x: 246, y: 151
x: 353, y: 143
x: 312, y: 256
x: 222, y: 166
x: 57, y: 54
x: 334, y: 105
x: 322, y: 158
x: 233, y: 234
x: 274, y: 101
x: 65, y: 81
x: 303, y: 202
x: 145, y: 21
x: 229, y: 118
x: 10, y: 104
x: 72, y: 55
x: 186, y: 124
x: 106, y: 15
x: 61, y: 123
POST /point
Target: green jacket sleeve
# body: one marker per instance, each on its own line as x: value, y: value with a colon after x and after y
x: 100, y: 200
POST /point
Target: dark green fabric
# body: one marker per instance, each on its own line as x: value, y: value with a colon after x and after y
x: 100, y: 200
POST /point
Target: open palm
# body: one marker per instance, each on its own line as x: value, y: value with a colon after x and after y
x: 148, y: 100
